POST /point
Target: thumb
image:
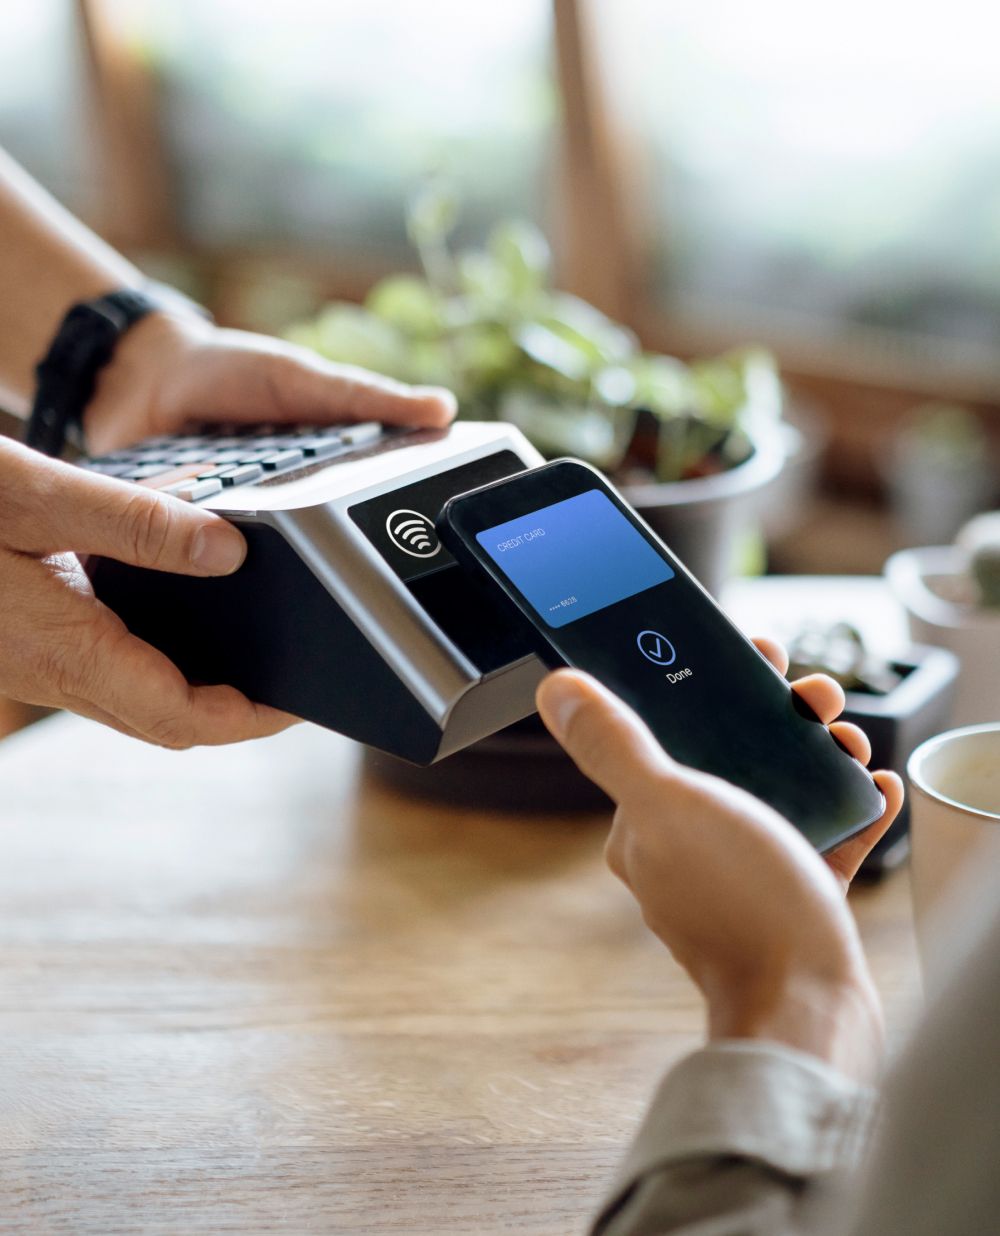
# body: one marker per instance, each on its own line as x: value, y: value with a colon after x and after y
x: 602, y: 735
x: 61, y: 508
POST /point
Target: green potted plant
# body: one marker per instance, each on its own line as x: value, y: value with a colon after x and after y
x: 693, y: 445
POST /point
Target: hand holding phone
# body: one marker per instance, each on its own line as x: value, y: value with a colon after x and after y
x: 603, y: 594
x: 741, y: 900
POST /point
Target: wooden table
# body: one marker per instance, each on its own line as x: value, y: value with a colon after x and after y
x: 245, y: 990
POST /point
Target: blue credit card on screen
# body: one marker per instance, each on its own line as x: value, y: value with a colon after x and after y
x: 574, y: 557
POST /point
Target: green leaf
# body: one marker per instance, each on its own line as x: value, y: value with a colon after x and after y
x: 408, y: 303
x: 718, y: 389
x: 481, y: 277
x: 662, y: 384
x: 615, y: 386
x: 521, y: 252
x: 429, y: 363
x: 604, y: 341
x: 590, y: 432
x: 764, y: 393
x: 432, y: 213
x: 353, y: 336
x: 564, y: 351
x: 486, y: 353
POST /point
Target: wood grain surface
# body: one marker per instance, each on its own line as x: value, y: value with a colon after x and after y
x: 246, y: 990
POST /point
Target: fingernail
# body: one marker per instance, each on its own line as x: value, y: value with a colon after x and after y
x: 218, y: 549
x: 562, y: 698
x: 441, y: 395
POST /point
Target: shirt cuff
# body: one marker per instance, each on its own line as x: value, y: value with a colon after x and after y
x: 755, y: 1100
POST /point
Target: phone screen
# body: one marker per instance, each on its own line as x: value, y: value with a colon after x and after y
x: 607, y: 597
x: 550, y: 557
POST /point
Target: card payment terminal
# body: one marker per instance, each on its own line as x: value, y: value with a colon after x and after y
x: 348, y: 611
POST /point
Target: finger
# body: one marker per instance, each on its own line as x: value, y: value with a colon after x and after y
x: 774, y: 652
x: 221, y: 714
x: 891, y: 785
x: 822, y: 695
x: 228, y: 720
x: 51, y: 507
x: 602, y: 735
x: 264, y: 380
x: 148, y: 696
x: 84, y: 708
x: 853, y: 739
x: 845, y: 861
x: 336, y: 392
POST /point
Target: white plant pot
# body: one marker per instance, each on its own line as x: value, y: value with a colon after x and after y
x: 969, y: 631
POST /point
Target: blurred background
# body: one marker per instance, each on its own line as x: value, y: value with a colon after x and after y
x: 709, y: 174
x: 768, y: 305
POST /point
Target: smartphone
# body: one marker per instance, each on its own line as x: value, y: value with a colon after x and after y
x: 602, y: 593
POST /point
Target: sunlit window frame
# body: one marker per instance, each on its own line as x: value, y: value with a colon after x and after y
x: 600, y: 235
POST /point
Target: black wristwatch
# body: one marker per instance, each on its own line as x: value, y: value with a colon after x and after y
x: 83, y: 344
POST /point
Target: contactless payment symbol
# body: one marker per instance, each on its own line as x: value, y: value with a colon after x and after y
x: 656, y: 648
x: 413, y: 533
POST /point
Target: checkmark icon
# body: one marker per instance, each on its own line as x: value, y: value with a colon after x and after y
x: 656, y: 648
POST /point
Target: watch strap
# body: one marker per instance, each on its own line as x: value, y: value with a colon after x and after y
x: 83, y: 345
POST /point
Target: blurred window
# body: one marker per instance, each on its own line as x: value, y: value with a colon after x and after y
x: 310, y: 123
x: 815, y: 170
x: 811, y: 176
x: 43, y: 118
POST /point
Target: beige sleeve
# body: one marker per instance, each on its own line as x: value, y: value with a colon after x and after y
x: 742, y: 1138
x: 934, y: 1169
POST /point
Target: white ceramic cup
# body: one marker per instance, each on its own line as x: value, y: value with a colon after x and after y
x: 955, y: 833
